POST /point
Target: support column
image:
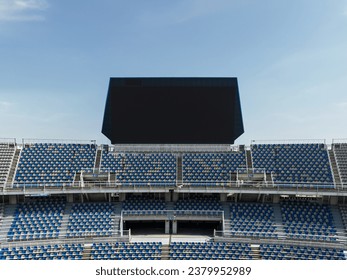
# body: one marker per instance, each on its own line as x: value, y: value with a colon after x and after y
x: 167, y: 197
x: 69, y: 198
x: 333, y: 200
x: 167, y: 226
x: 174, y: 196
x: 121, y: 197
x: 223, y: 197
x: 276, y: 198
x: 12, y: 199
x: 174, y: 227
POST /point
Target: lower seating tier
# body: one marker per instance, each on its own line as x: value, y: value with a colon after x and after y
x: 289, y: 252
x: 126, y: 251
x: 43, y: 252
x: 209, y: 251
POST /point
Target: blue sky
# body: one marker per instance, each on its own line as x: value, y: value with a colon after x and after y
x: 290, y: 58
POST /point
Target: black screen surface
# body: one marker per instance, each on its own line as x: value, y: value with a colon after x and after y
x: 172, y: 111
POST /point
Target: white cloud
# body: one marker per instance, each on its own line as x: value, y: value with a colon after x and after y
x: 22, y: 10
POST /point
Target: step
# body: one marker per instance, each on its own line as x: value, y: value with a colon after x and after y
x: 165, y: 252
x: 255, y: 252
x: 278, y: 220
x: 65, y: 221
x: 87, y: 251
x: 179, y: 171
x: 98, y: 159
x: 249, y: 159
x: 334, y: 167
x: 13, y: 167
x: 8, y: 214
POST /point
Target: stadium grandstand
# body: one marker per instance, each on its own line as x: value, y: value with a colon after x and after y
x: 80, y: 200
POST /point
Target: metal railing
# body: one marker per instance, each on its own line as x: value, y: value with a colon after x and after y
x: 220, y: 186
x: 174, y: 214
x: 289, y: 141
x: 292, y: 239
x: 56, y: 141
x: 126, y: 235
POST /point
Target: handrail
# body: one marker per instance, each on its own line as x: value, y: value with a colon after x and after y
x: 44, y: 188
x: 294, y: 239
x: 56, y: 141
x: 289, y: 141
x: 73, y: 240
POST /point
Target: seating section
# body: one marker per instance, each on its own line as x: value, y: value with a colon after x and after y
x: 199, y: 205
x: 343, y: 211
x: 340, y: 152
x: 1, y: 214
x: 91, y: 219
x: 209, y: 251
x: 141, y: 169
x: 126, y: 251
x: 294, y: 163
x: 54, y: 163
x: 252, y: 219
x: 305, y: 220
x: 43, y: 252
x: 211, y: 169
x: 143, y: 205
x: 289, y: 252
x: 6, y: 156
x: 37, y: 219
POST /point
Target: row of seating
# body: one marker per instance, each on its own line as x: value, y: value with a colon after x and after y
x: 290, y: 252
x: 141, y: 169
x: 294, y: 163
x: 37, y: 219
x: 91, y: 219
x: 252, y: 219
x: 6, y: 156
x: 343, y: 212
x: 305, y: 220
x: 41, y: 218
x: 43, y: 162
x: 126, y: 251
x: 340, y: 152
x: 304, y: 164
x: 211, y: 169
x: 209, y: 251
x: 43, y: 252
x: 177, y: 251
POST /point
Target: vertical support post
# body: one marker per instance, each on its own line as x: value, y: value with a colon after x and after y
x: 167, y: 227
x: 12, y: 199
x: 174, y: 227
x: 121, y: 223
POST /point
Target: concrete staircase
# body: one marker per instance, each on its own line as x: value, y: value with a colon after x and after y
x: 227, y: 216
x: 179, y: 176
x: 268, y: 179
x: 278, y: 221
x: 98, y: 159
x: 249, y: 159
x: 116, y: 217
x: 1, y: 216
x: 339, y: 225
x: 334, y: 167
x: 8, y: 214
x: 65, y: 221
x: 13, y: 167
x: 165, y: 252
x: 87, y: 251
x: 255, y: 252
